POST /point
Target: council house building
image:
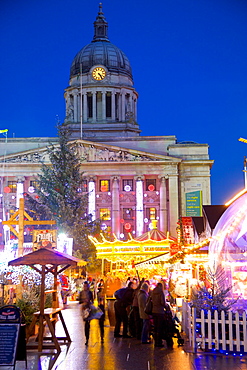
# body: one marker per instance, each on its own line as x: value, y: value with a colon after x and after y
x: 131, y: 179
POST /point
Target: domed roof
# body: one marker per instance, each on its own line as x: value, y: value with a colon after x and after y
x: 101, y: 51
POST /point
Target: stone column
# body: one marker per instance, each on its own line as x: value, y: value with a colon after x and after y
x: 163, y: 205
x: 91, y: 198
x: 85, y: 107
x: 123, y: 106
x: 68, y: 104
x: 19, y: 189
x: 135, y: 110
x: 76, y: 108
x: 115, y: 206
x: 173, y: 201
x: 103, y: 105
x: 113, y: 107
x: 139, y: 206
x: 94, y: 106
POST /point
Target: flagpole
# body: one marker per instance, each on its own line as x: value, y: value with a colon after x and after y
x: 6, y: 231
x: 81, y: 96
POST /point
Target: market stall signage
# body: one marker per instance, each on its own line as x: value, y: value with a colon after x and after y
x: 9, y: 334
x: 44, y: 238
x: 194, y: 204
x: 188, y: 230
x: 174, y: 248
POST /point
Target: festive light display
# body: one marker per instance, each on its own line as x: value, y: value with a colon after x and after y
x: 11, y: 275
x: 139, y: 207
x: 148, y: 245
x: 228, y: 247
x: 91, y: 199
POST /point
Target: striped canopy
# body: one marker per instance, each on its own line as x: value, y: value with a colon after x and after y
x: 157, y: 235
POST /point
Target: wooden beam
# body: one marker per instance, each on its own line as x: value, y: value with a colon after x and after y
x: 21, y: 222
x: 48, y: 222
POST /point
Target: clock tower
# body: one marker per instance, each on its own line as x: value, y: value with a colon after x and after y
x: 101, y: 101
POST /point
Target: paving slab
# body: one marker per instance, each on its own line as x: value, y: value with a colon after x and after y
x: 119, y: 353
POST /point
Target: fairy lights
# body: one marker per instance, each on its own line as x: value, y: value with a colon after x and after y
x: 139, y: 207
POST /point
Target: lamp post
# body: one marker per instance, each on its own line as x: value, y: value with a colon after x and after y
x: 245, y: 163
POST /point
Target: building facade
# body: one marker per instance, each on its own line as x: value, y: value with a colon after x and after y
x: 131, y: 179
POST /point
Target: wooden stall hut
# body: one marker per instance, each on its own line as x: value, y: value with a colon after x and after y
x: 46, y: 260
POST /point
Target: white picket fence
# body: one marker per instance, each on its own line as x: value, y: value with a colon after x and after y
x: 225, y: 331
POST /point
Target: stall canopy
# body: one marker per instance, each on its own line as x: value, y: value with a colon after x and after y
x: 46, y: 260
x: 157, y: 235
x: 46, y: 256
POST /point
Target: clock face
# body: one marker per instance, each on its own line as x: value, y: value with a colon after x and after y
x: 99, y: 73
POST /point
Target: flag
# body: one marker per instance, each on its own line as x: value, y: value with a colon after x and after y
x: 2, y: 131
x: 242, y: 139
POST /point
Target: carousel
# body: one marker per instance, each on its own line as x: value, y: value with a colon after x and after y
x: 153, y: 255
x: 123, y: 255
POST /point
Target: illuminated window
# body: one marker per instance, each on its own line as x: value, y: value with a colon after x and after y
x: 105, y: 214
x: 127, y: 185
x: 34, y: 184
x: 150, y: 184
x: 151, y: 213
x: 104, y: 185
x: 13, y: 186
x: 127, y: 213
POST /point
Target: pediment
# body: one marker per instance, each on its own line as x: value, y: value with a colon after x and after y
x: 28, y: 156
x: 89, y: 151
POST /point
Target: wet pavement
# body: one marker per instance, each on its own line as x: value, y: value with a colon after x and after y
x: 119, y: 353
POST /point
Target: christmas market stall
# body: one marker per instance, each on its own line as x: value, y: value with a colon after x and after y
x: 46, y: 260
x: 180, y: 267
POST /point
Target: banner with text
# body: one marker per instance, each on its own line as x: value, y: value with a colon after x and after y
x: 194, y: 204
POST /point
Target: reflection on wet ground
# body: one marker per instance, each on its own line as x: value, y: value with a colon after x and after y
x: 119, y: 353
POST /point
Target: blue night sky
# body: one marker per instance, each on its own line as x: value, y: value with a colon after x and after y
x: 189, y: 62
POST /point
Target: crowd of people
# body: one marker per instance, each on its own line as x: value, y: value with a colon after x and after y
x: 130, y: 311
x: 131, y: 316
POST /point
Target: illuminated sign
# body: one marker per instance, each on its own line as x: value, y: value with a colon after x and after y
x: 44, y: 238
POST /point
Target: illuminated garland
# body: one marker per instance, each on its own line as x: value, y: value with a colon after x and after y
x: 11, y: 275
x: 187, y: 250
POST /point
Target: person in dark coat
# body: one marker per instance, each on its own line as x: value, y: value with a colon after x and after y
x: 121, y: 314
x: 136, y: 327
x: 86, y: 299
x: 142, y: 300
x: 158, y: 313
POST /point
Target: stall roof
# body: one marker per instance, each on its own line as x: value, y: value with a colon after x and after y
x: 155, y: 234
x: 162, y: 257
x: 212, y: 213
x: 45, y: 256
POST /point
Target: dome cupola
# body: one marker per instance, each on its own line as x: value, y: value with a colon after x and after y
x: 101, y: 51
x: 101, y: 101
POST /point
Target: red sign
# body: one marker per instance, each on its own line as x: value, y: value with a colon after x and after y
x: 174, y: 248
x: 188, y: 230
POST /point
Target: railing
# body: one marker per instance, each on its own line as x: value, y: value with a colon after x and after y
x: 216, y: 331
